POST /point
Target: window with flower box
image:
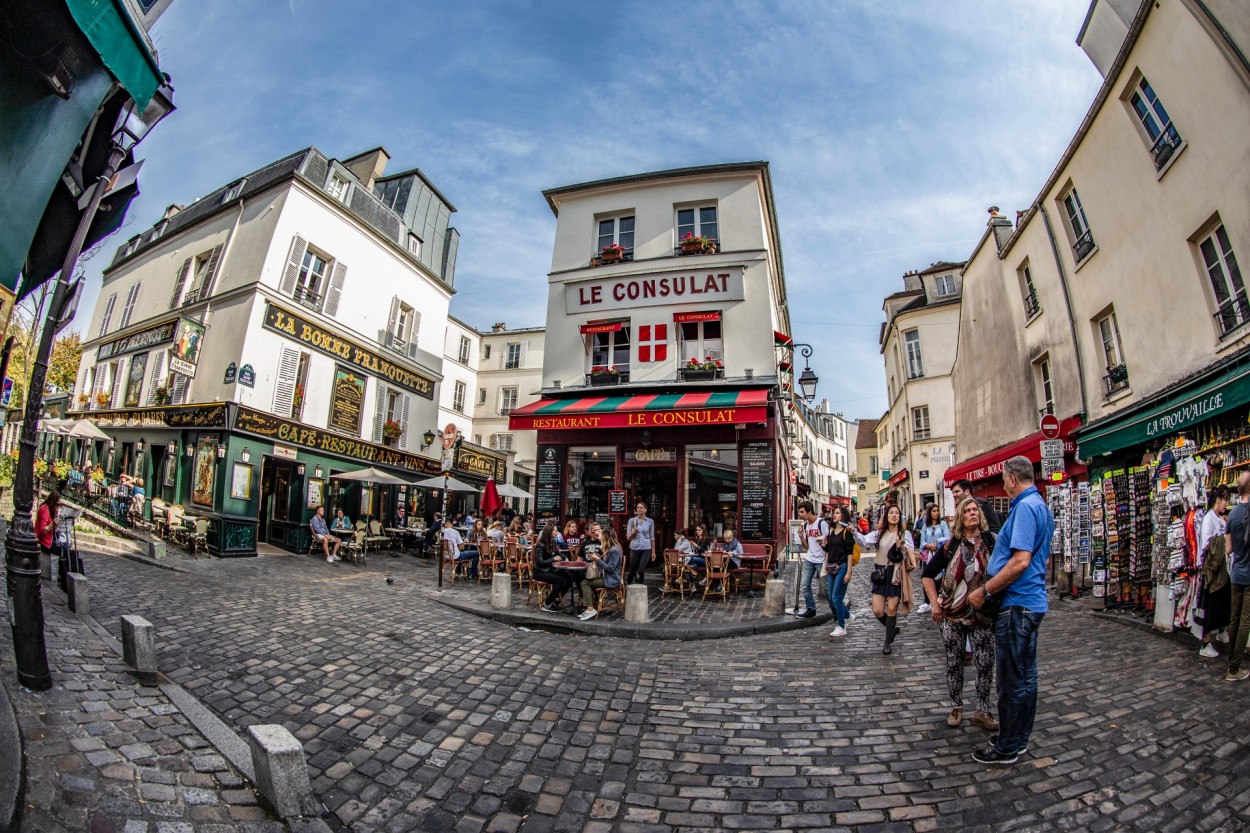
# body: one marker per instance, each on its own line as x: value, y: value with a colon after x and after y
x: 609, y: 356
x: 615, y: 239
x: 697, y: 230
x: 1232, y: 308
x: 702, y: 348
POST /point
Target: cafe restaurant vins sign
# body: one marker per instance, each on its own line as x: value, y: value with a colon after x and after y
x: 293, y: 433
x: 632, y: 291
x: 318, y: 338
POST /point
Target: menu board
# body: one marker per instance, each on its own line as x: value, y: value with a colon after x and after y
x: 549, y: 480
x: 758, y: 490
x: 618, y: 502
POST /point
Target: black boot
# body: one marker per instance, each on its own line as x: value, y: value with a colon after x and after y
x: 891, y: 628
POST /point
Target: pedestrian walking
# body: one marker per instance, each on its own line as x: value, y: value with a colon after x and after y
x: 891, y: 571
x: 815, y: 534
x: 839, y: 552
x: 1216, y: 599
x: 1017, y: 579
x: 957, y: 568
x: 640, y: 533
x: 961, y: 489
x: 933, y: 534
x: 1237, y: 549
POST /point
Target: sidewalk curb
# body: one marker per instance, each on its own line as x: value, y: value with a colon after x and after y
x: 1180, y: 637
x: 12, y: 764
x: 664, y: 631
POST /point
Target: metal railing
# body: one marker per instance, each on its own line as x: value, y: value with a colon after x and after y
x: 1233, y: 313
x: 1083, y: 245
x: 597, y: 259
x: 1165, y: 146
x: 1116, y: 378
x: 621, y: 377
x: 678, y: 250
x: 1031, y: 305
x: 307, y: 297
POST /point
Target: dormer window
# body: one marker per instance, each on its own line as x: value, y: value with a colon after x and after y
x: 234, y: 191
x: 944, y: 285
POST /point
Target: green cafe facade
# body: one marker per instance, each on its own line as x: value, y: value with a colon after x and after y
x: 259, y: 478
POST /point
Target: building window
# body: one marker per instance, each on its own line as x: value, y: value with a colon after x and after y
x: 485, y: 355
x: 619, y: 231
x: 108, y: 314
x: 1164, y: 140
x: 915, y: 366
x: 463, y: 355
x: 457, y: 398
x: 201, y: 273
x: 160, y: 229
x: 1047, y: 388
x: 1112, y: 351
x: 132, y: 297
x: 698, y: 222
x: 1028, y: 291
x: 234, y: 191
x: 311, y: 281
x: 701, y: 340
x: 610, y: 350
x: 481, y: 398
x: 512, y: 359
x: 945, y: 285
x: 920, y: 423
x: 1078, y: 225
x: 501, y: 442
x: 337, y: 187
x: 414, y: 245
x: 507, y: 400
x: 1232, y: 309
x: 394, y: 403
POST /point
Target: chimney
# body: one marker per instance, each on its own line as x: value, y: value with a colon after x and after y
x: 368, y: 166
x: 498, y: 327
x: 1001, y: 228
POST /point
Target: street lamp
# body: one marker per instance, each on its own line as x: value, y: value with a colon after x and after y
x: 428, y: 438
x: 807, y: 379
x: 21, y: 546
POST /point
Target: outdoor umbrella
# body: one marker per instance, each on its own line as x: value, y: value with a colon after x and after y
x: 508, y: 490
x: 371, y: 475
x: 85, y: 429
x: 449, y: 483
x: 490, y: 499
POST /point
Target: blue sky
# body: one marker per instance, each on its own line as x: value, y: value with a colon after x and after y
x: 890, y: 127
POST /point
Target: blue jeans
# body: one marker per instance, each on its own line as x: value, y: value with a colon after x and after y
x: 835, y: 588
x: 1015, y: 664
x: 810, y: 571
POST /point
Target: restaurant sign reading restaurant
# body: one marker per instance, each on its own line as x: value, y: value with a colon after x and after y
x: 628, y: 292
x: 288, y: 323
x: 294, y: 433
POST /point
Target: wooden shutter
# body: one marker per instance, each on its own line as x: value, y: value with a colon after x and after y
x: 179, y: 393
x: 119, y: 368
x: 403, y: 420
x: 210, y: 271
x: 337, y: 275
x: 108, y: 314
x: 284, y: 387
x: 131, y: 297
x: 525, y: 349
x: 390, y: 322
x: 414, y: 327
x: 293, y: 262
x: 180, y: 283
x: 157, y: 357
x: 380, y: 416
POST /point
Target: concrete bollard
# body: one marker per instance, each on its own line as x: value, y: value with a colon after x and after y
x: 774, y: 597
x: 281, y: 773
x: 79, y: 595
x: 501, y: 591
x: 636, y: 603
x: 139, y: 644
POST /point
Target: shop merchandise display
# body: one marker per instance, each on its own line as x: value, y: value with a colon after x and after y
x: 1072, y: 542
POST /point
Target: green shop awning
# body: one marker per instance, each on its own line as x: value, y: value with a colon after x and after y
x: 1210, y: 395
x: 118, y: 40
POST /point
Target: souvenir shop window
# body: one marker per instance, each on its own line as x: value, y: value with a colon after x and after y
x: 591, y: 473
x: 1227, y: 287
x: 712, y: 487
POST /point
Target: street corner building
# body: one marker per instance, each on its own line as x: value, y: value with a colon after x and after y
x: 668, y: 361
x: 284, y: 329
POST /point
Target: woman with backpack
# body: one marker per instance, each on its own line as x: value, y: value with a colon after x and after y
x: 891, y: 571
x: 839, y: 555
x: 961, y: 565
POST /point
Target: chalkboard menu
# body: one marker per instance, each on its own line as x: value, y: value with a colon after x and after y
x: 550, y: 479
x: 758, y: 491
x: 618, y: 502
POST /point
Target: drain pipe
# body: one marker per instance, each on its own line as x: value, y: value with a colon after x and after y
x: 1067, y: 300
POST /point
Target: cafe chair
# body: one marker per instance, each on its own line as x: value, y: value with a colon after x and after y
x: 198, y: 541
x: 354, y: 548
x: 610, y: 596
x: 718, y: 575
x: 458, y: 567
x: 678, y: 576
x: 516, y: 561
x: 489, y: 560
x: 377, y: 537
x: 160, y: 524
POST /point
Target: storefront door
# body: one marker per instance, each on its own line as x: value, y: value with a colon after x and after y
x: 275, y: 498
x: 655, y: 486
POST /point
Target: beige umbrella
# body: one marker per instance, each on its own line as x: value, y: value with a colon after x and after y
x: 371, y: 475
x: 85, y: 429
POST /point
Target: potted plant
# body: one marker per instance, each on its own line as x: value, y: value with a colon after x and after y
x: 612, y: 253
x: 102, y: 399
x: 83, y: 399
x: 1118, y: 374
x: 161, y: 397
x: 604, y: 375
x: 391, y: 431
x: 691, y: 245
x: 702, y: 371
x: 297, y: 402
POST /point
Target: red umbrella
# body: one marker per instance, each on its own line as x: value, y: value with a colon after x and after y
x: 490, y: 499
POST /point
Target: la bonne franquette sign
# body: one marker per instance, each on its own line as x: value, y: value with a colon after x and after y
x: 632, y: 291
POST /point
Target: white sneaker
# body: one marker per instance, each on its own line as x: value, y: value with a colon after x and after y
x: 329, y: 559
x: 588, y: 614
x: 838, y: 631
x: 924, y: 608
x: 852, y: 617
x: 1208, y: 651
x: 1222, y: 636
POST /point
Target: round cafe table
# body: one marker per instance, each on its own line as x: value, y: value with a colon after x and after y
x: 576, y: 571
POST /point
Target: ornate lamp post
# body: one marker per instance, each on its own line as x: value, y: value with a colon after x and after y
x: 21, y: 545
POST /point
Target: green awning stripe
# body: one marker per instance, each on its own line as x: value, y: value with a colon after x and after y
x: 117, y: 41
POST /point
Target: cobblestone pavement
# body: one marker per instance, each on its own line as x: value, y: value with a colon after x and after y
x: 418, y: 717
x: 105, y: 753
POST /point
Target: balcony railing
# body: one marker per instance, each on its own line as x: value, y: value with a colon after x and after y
x: 1048, y: 410
x: 192, y: 297
x: 1233, y: 313
x: 1116, y: 378
x: 686, y: 374
x: 1165, y: 146
x: 1031, y: 305
x: 606, y: 259
x: 1083, y: 245
x: 621, y: 377
x: 307, y: 297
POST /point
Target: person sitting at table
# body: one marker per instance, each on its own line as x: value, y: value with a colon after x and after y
x: 321, y: 534
x: 545, y: 557
x: 689, y: 552
x: 469, y: 519
x: 607, y: 552
x: 516, y: 528
x: 400, y: 521
x: 463, y: 551
x: 568, y: 541
x: 341, y: 521
x: 701, y: 541
x: 477, y: 534
x: 496, y: 533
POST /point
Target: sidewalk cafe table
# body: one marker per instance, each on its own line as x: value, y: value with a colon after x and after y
x: 751, y: 561
x: 402, y: 533
x: 576, y: 571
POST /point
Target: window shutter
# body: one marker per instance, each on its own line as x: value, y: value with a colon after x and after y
x: 131, y: 298
x: 158, y: 374
x: 293, y: 262
x: 414, y: 327
x: 108, y: 314
x: 390, y: 322
x: 210, y: 270
x: 380, y: 416
x: 179, y: 393
x: 119, y: 370
x: 337, y: 275
x: 180, y: 283
x: 403, y: 420
x: 284, y: 387
x: 525, y: 348
x: 494, y: 441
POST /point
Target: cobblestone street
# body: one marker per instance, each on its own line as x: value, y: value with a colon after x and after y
x: 418, y: 717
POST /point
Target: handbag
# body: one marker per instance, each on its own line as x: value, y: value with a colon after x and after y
x: 594, y: 570
x: 878, y: 574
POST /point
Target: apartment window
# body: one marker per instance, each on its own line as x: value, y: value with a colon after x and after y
x: 702, y: 340
x: 1232, y: 309
x: 1028, y: 291
x: 485, y: 355
x: 1113, y: 353
x: 201, y: 273
x: 310, y: 282
x: 1047, y: 388
x: 1164, y: 140
x: 160, y: 229
x: 610, y: 349
x: 463, y: 355
x: 132, y: 298
x: 507, y: 400
x: 512, y: 358
x: 234, y: 191
x: 945, y: 285
x: 915, y: 366
x: 1078, y: 225
x: 698, y: 222
x: 108, y: 313
x: 501, y: 442
x: 920, y: 423
x: 394, y: 404
x: 481, y: 398
x: 457, y: 399
x: 338, y: 187
x: 618, y: 230
x: 414, y: 245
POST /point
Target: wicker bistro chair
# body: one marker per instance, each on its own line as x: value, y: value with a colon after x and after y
x: 160, y: 524
x: 610, y: 596
x: 377, y: 537
x: 718, y: 574
x: 198, y: 541
x: 489, y: 561
x: 354, y: 548
x: 516, y: 561
x: 458, y: 567
x: 678, y: 575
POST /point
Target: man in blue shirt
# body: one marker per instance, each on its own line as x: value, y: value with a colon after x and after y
x: 1239, y: 576
x: 1017, y: 576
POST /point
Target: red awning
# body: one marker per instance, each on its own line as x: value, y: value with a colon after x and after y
x: 686, y: 317
x: 990, y: 464
x: 609, y: 327
x: 702, y: 409
x: 898, y: 478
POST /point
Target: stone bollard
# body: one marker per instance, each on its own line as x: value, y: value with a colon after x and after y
x: 79, y: 595
x: 501, y: 591
x: 281, y: 773
x: 774, y: 597
x: 636, y: 603
x: 139, y: 645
